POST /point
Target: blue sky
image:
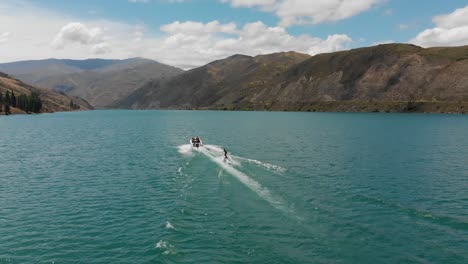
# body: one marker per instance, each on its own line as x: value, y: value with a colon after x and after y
x: 101, y: 27
x: 378, y: 24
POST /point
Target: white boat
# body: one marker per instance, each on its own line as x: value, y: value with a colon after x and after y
x: 195, y: 143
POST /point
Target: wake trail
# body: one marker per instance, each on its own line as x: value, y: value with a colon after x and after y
x: 235, y: 159
x: 269, y: 167
x: 250, y: 183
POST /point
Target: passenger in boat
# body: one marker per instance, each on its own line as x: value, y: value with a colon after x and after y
x: 196, y: 141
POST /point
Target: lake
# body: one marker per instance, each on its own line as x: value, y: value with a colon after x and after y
x: 126, y: 187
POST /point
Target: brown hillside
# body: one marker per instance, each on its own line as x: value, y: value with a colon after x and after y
x: 380, y: 78
x: 217, y: 83
x: 51, y: 101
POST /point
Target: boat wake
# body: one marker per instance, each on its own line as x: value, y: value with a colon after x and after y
x: 216, y: 155
x: 270, y: 167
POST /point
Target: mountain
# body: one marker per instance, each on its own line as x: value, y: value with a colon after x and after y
x: 390, y: 78
x: 103, y: 86
x: 52, y: 101
x: 34, y: 70
x: 99, y: 81
x: 222, y: 82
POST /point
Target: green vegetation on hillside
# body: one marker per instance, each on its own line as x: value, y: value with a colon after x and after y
x: 73, y: 105
x: 18, y: 97
x: 28, y: 103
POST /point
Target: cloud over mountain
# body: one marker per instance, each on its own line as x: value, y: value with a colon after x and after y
x: 201, y: 43
x: 78, y: 33
x: 42, y: 34
x: 29, y: 31
x: 450, y: 30
x: 4, y: 37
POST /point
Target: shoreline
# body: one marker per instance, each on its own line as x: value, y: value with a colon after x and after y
x: 460, y: 108
x: 17, y: 111
x: 422, y: 107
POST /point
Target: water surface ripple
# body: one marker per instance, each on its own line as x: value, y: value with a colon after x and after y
x: 122, y: 187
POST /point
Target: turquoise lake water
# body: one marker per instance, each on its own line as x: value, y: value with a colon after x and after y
x: 124, y: 187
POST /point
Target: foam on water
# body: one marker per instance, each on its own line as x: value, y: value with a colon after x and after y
x: 185, y: 150
x: 252, y: 184
x: 219, y: 151
x: 236, y: 160
x: 270, y: 167
x: 162, y: 244
x: 169, y: 225
x: 215, y: 154
x: 166, y: 247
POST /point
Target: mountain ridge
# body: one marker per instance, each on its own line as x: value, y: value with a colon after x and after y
x: 99, y: 81
x: 184, y: 89
x: 390, y: 78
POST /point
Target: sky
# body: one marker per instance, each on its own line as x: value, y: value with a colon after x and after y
x: 191, y: 33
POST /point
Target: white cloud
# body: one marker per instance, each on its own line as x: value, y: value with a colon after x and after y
x: 189, y: 44
x: 383, y: 42
x: 293, y: 12
x: 4, y: 37
x: 139, y: 33
x: 101, y: 48
x: 456, y: 19
x: 76, y: 32
x: 267, y: 4
x: 451, y: 30
x: 39, y: 34
x: 191, y: 27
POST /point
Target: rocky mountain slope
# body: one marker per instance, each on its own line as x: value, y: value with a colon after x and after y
x: 218, y: 83
x: 100, y: 82
x: 52, y: 101
x: 391, y: 78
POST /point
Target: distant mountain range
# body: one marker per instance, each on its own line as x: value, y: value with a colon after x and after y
x: 100, y: 82
x: 390, y: 78
x: 52, y: 101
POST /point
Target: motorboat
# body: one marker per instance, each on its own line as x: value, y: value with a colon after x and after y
x: 196, y: 142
